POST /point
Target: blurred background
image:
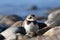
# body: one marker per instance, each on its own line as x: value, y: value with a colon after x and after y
x: 12, y: 11
x: 25, y: 7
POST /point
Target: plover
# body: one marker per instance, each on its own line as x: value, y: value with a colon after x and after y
x: 31, y: 25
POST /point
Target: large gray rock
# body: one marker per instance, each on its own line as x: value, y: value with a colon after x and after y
x: 53, y: 18
x: 9, y: 20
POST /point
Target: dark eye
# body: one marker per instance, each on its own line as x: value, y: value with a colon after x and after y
x: 30, y: 17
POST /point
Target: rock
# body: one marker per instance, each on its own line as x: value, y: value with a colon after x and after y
x: 41, y: 18
x: 14, y: 17
x: 52, y: 34
x: 10, y: 33
x: 9, y: 20
x: 53, y: 18
x: 43, y: 30
x: 53, y: 10
x: 2, y: 28
x: 21, y: 30
x: 33, y: 8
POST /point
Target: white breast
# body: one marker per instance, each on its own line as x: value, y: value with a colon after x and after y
x: 30, y: 27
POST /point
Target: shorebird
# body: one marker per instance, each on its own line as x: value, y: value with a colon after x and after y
x: 31, y: 25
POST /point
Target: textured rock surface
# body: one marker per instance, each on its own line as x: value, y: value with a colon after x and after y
x: 7, y: 21
x: 53, y: 18
x: 52, y: 34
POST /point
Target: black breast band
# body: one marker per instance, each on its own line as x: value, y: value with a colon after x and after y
x: 28, y: 22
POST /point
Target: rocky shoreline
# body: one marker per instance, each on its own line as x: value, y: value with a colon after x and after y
x: 50, y: 32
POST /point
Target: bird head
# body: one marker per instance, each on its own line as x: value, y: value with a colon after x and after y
x: 31, y: 17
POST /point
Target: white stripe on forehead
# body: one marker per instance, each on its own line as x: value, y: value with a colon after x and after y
x: 31, y: 17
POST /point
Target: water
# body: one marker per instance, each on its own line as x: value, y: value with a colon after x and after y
x: 20, y: 7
